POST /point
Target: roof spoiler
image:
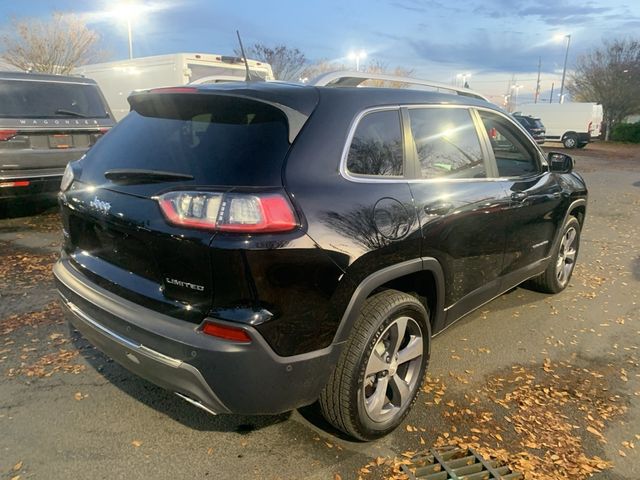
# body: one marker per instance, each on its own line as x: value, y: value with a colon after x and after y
x: 355, y: 79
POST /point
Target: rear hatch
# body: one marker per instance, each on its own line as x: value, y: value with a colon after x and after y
x: 46, y: 123
x: 173, y: 141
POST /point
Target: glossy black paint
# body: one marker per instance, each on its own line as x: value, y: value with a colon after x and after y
x: 481, y: 236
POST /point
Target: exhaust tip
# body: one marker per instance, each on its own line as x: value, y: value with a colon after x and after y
x: 196, y: 403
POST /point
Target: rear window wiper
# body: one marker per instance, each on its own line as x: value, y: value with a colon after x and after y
x: 136, y: 175
x: 70, y: 112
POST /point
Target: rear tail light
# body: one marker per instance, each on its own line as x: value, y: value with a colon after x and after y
x: 226, y: 332
x: 7, y: 135
x: 229, y: 212
x: 67, y: 178
x: 19, y: 183
x: 590, y: 127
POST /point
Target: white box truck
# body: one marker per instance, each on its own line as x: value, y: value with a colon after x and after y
x: 118, y: 79
x: 574, y: 123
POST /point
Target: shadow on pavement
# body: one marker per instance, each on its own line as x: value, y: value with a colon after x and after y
x: 164, y: 401
x: 25, y: 208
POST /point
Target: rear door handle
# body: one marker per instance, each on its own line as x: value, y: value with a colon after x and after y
x: 519, y: 196
x: 438, y: 208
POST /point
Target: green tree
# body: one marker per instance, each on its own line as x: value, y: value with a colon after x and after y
x: 610, y: 76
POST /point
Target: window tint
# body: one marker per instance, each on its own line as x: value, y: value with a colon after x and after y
x: 217, y: 140
x: 34, y: 99
x: 513, y: 157
x: 376, y: 148
x: 447, y: 143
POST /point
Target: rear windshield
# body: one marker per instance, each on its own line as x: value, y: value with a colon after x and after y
x: 41, y: 99
x: 536, y: 123
x: 217, y: 140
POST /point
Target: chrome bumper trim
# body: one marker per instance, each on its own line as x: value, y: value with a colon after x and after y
x: 160, y: 357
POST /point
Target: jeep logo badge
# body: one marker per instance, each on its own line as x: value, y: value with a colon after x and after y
x: 99, y: 205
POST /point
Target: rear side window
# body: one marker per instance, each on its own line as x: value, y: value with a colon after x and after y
x: 447, y: 143
x: 376, y: 148
x: 514, y: 155
x: 218, y: 140
x: 39, y: 99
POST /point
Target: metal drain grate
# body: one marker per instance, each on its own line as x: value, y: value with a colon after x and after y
x: 452, y: 463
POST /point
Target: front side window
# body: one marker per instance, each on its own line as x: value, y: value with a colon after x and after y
x: 447, y: 143
x: 376, y: 148
x: 513, y: 157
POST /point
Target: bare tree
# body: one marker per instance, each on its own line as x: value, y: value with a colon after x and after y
x: 377, y: 66
x: 287, y: 63
x: 610, y: 76
x: 54, y: 46
x: 320, y: 67
x: 374, y: 66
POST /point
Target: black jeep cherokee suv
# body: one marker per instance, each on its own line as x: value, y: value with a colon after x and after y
x: 257, y: 247
x: 46, y: 121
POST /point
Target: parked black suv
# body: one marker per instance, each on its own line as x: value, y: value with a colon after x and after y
x: 257, y: 247
x: 534, y: 126
x: 46, y: 121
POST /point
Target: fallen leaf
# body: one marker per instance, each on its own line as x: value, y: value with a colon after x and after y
x: 136, y: 443
x: 17, y: 466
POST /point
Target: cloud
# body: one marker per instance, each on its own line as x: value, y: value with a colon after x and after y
x: 486, y: 53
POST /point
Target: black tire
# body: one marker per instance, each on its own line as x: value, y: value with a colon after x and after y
x: 343, y: 401
x: 582, y: 145
x: 570, y: 140
x: 551, y: 281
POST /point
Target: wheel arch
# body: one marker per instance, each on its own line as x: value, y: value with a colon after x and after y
x: 421, y: 277
x: 577, y: 208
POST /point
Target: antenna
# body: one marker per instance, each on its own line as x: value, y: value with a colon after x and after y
x: 244, y: 57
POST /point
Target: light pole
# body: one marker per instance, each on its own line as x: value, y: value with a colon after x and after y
x: 564, y: 69
x: 357, y: 56
x: 516, y: 89
x: 130, y: 38
x: 128, y: 9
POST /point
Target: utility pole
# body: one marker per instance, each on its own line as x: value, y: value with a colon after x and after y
x: 538, y: 81
x: 564, y: 70
x: 551, y: 96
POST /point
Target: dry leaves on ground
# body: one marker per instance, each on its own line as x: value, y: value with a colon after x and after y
x: 20, y: 268
x: 50, y: 314
x: 533, y: 418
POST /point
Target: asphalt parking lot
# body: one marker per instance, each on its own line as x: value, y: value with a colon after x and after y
x: 551, y: 384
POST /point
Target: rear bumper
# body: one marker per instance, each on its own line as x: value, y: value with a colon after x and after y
x: 221, y: 376
x: 40, y: 184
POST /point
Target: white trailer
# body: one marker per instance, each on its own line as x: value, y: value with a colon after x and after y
x: 118, y: 79
x: 574, y: 124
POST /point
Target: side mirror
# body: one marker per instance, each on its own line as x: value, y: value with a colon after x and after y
x: 560, y: 162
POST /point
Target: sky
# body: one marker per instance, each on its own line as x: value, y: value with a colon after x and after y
x: 497, y: 42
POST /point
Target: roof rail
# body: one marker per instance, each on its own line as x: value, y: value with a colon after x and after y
x: 353, y: 79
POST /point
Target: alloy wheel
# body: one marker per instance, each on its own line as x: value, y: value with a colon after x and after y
x: 566, y: 256
x: 393, y: 369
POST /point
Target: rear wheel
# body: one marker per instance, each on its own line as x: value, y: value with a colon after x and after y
x: 570, y: 140
x: 381, y: 367
x: 558, y: 273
